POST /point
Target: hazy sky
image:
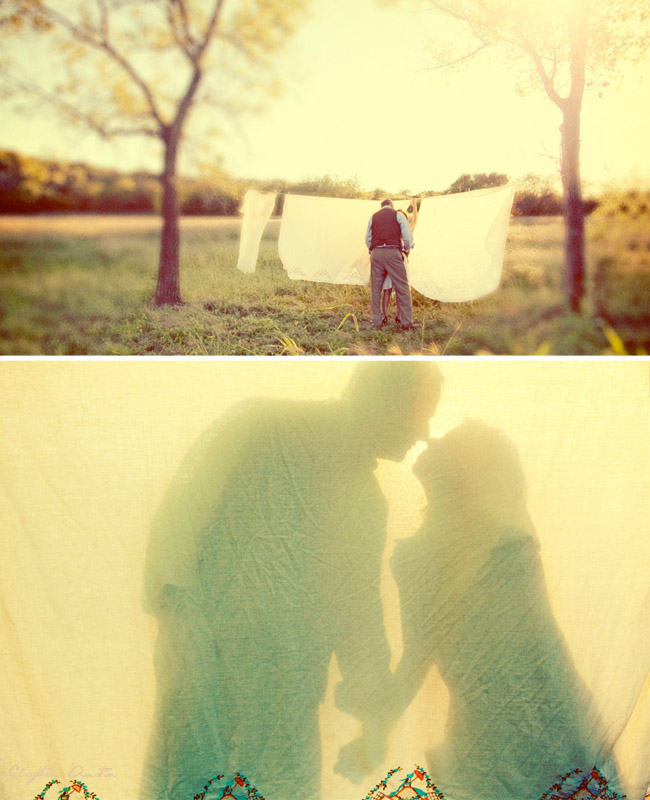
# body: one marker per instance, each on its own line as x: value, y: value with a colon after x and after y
x: 362, y: 100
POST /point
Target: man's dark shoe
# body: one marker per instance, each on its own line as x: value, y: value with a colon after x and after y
x: 410, y: 327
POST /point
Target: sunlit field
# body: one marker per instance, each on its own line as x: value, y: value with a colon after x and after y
x: 82, y: 285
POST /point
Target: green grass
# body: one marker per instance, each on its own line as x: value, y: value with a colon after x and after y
x: 88, y: 292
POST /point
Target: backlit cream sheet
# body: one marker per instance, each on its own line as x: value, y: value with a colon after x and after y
x: 459, y: 240
x: 259, y: 567
x: 256, y: 212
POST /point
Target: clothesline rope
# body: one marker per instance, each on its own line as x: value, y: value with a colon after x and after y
x: 459, y: 243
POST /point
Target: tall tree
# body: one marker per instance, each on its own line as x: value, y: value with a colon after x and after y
x: 139, y: 67
x: 566, y: 46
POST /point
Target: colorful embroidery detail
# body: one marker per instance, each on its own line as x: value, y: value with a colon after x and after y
x: 68, y: 792
x: 76, y: 786
x: 416, y: 784
x: 41, y: 795
x: 579, y: 785
x: 237, y: 787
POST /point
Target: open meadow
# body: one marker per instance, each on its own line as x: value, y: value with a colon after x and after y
x: 82, y: 285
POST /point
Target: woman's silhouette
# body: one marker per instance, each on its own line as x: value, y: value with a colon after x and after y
x: 474, y: 601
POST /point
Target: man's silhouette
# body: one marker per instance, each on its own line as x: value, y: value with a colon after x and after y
x: 264, y: 560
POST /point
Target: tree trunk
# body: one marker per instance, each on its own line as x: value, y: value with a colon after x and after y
x: 574, y: 239
x: 574, y: 224
x: 168, y: 288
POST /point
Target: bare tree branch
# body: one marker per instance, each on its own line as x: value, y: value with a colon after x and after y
x: 449, y: 11
x: 456, y: 60
x: 103, y: 17
x: 460, y: 18
x: 547, y: 80
x: 182, y: 38
x: 197, y: 74
x: 135, y: 131
x: 104, y: 45
x: 210, y: 28
x: 75, y: 114
x: 182, y: 7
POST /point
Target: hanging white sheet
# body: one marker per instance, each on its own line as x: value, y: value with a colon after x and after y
x: 322, y: 239
x: 459, y: 241
x: 257, y: 209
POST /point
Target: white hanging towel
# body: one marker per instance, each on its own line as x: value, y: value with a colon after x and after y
x: 257, y: 208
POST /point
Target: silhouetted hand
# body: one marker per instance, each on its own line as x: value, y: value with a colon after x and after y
x: 361, y: 756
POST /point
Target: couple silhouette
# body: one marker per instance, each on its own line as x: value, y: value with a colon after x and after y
x: 264, y: 561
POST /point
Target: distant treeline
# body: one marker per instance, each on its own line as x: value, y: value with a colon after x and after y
x: 31, y: 186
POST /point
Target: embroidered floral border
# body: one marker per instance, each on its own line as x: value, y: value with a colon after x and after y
x: 398, y: 783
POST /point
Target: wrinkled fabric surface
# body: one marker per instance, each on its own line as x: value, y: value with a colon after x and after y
x: 256, y: 212
x: 460, y: 244
x: 240, y: 568
x: 246, y: 635
x: 323, y: 239
x: 459, y: 241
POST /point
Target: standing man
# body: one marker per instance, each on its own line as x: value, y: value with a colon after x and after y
x: 264, y: 561
x: 389, y: 239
